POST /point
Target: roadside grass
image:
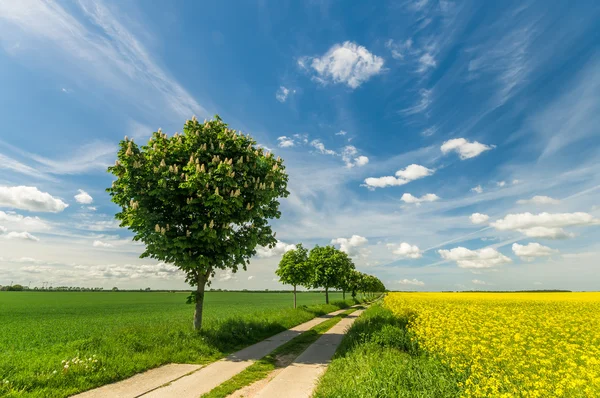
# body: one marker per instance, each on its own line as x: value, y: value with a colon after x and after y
x: 377, y: 358
x: 106, y: 336
x: 267, y: 364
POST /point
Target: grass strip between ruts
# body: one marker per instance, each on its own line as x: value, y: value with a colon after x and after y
x: 261, y: 368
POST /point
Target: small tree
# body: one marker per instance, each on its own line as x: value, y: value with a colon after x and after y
x: 200, y: 200
x: 294, y: 269
x: 328, y: 264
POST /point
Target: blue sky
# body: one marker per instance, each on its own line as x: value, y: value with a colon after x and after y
x: 444, y: 145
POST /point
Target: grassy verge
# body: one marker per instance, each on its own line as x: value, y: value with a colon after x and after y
x: 107, y: 337
x: 266, y: 365
x: 377, y: 358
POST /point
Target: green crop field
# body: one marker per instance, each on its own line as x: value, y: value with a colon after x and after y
x: 108, y: 336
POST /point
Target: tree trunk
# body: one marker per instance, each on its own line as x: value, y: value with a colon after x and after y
x: 344, y: 295
x: 201, y: 283
x: 326, y: 295
x: 294, y: 296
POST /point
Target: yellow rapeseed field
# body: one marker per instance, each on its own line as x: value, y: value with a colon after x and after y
x: 511, y: 344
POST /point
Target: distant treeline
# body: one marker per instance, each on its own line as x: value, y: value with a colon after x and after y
x: 19, y: 288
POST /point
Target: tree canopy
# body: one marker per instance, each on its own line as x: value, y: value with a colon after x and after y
x: 200, y: 200
x: 294, y: 269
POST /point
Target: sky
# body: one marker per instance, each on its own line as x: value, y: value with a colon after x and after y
x: 443, y: 145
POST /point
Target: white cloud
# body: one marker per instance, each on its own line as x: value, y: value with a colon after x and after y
x: 282, y: 93
x: 92, y: 208
x: 426, y: 61
x: 351, y: 245
x: 539, y: 200
x: 464, y: 148
x: 501, y: 183
x: 20, y: 222
x: 349, y: 156
x: 30, y: 198
x: 408, y: 198
x: 482, y: 258
x: 130, y: 271
x: 83, y: 197
x: 398, y: 49
x: 414, y: 282
x: 285, y: 142
x: 278, y: 250
x: 346, y: 63
x: 98, y: 243
x: 341, y: 132
x: 404, y: 176
x: 477, y: 189
x: 478, y: 218
x: 321, y: 148
x: 478, y: 282
x: 537, y: 283
x: 405, y: 250
x: 251, y: 277
x: 428, y: 132
x: 226, y: 276
x: 3, y: 229
x: 532, y: 250
x: 424, y: 102
x: 544, y: 225
x: 21, y: 236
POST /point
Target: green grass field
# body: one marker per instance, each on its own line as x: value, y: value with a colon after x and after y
x: 378, y: 358
x: 114, y: 335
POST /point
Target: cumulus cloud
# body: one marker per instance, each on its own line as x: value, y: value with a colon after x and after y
x: 251, y: 277
x: 544, y: 225
x: 414, y: 282
x: 278, y: 250
x: 464, y: 148
x: 477, y: 189
x: 408, y: 198
x: 30, y: 198
x: 83, y: 197
x: 482, y: 258
x: 351, y: 245
x: 285, y: 142
x: 3, y: 229
x: 346, y: 63
x: 405, y: 250
x: 532, y: 250
x: 349, y: 156
x: 282, y: 93
x: 404, y: 176
x: 501, y: 183
x: 130, y: 271
x: 321, y: 148
x: 21, y: 236
x: 478, y: 282
x: 226, y: 276
x: 539, y: 200
x: 98, y: 243
x: 478, y: 218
